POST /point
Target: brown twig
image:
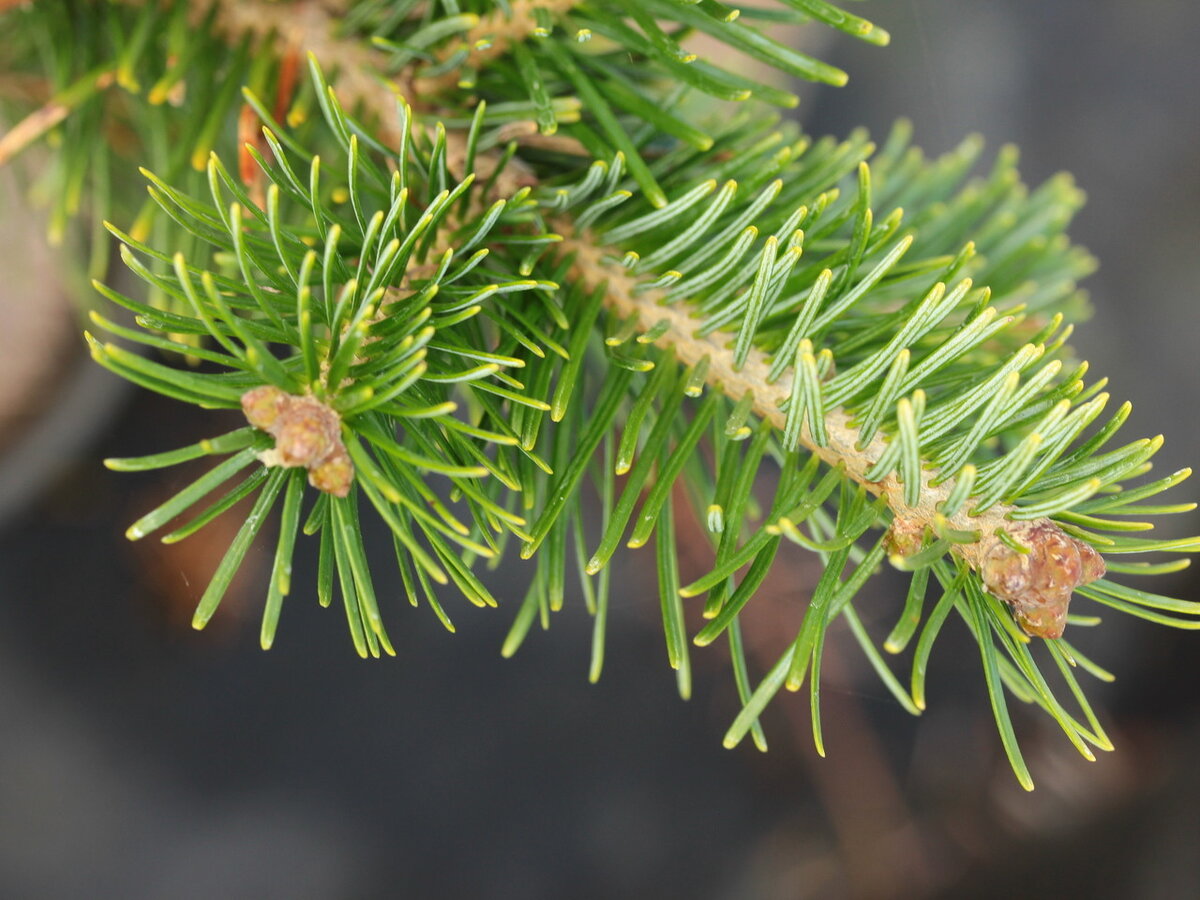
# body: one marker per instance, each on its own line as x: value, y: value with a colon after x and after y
x: 45, y: 117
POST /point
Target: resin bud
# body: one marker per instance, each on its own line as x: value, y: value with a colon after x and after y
x: 1038, y: 584
x: 307, y: 434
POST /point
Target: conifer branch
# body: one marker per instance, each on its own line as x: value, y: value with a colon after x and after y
x: 1012, y: 574
x: 427, y: 283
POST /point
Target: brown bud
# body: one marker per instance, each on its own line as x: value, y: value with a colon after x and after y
x: 1038, y: 584
x: 303, y: 436
x: 334, y: 475
x: 1093, y: 562
x: 262, y: 406
x: 307, y: 433
x: 904, y: 538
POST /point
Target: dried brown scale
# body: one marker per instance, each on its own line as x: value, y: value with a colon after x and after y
x: 307, y: 434
x: 1038, y: 585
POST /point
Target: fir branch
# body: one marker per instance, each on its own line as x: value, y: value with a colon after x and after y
x: 1011, y: 556
x: 419, y: 303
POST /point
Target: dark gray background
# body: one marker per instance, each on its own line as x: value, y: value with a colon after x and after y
x: 138, y: 759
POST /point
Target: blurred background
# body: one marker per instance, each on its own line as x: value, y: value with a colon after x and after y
x: 141, y: 759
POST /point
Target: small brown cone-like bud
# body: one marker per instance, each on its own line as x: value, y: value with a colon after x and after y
x: 1038, y: 584
x: 307, y: 434
x: 333, y: 476
x: 303, y: 436
x: 904, y: 537
x: 262, y: 406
